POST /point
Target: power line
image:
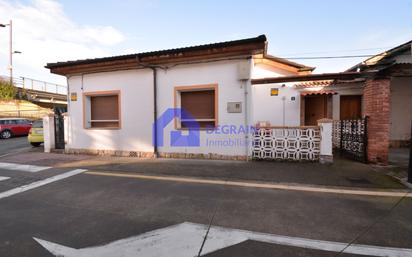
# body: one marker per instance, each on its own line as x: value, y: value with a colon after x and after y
x: 338, y: 51
x: 329, y: 57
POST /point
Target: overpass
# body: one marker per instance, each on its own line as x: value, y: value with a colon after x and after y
x: 42, y: 93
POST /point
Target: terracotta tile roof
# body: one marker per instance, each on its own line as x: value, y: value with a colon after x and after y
x: 315, y: 83
x: 319, y: 92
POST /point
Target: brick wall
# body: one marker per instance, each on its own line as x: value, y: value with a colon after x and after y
x: 376, y: 102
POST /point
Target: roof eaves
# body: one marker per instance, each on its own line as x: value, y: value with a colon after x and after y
x: 382, y: 55
x: 300, y: 66
x: 258, y: 39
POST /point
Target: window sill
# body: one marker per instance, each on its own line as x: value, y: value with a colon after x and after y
x: 200, y: 129
x: 105, y: 128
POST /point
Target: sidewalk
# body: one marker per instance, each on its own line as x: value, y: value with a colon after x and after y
x: 342, y: 173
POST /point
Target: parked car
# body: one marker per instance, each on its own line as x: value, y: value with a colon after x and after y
x: 36, y: 133
x: 10, y: 127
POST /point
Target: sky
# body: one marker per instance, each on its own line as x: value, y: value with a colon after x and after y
x: 50, y: 31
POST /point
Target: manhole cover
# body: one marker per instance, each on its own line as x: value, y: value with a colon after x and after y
x: 358, y: 180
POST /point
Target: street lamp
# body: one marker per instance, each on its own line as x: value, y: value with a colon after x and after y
x: 11, y: 52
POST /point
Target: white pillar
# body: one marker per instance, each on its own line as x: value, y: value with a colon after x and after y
x: 48, y: 133
x: 326, y: 154
x: 66, y: 127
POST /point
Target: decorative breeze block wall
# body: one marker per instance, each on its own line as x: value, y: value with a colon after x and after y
x: 287, y: 143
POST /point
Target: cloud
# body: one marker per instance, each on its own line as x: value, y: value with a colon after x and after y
x: 44, y: 33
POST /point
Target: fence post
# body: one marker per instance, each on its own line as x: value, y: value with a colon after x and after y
x: 48, y: 131
x: 326, y: 154
x: 365, y: 140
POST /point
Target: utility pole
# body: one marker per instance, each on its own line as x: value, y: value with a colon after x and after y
x: 410, y: 159
x: 11, y: 52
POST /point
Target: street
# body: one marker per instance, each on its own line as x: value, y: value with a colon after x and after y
x: 201, y: 128
x: 62, y: 210
x: 13, y: 144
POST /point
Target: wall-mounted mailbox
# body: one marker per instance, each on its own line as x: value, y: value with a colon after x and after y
x: 234, y: 107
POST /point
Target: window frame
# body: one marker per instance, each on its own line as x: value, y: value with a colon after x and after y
x: 87, y: 109
x: 194, y: 88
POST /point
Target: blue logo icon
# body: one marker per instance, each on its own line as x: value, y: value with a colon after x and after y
x: 176, y: 137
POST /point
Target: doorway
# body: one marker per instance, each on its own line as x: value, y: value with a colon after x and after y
x: 316, y: 108
x: 350, y: 107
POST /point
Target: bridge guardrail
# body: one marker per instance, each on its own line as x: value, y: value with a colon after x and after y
x: 39, y: 85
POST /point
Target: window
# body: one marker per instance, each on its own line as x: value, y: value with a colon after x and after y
x: 102, y: 110
x: 199, y: 105
x: 22, y: 122
x: 37, y: 124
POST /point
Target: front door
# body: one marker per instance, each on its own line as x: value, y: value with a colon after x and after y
x: 350, y: 107
x: 315, y: 109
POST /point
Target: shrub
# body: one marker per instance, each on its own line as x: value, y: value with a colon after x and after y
x: 7, y: 90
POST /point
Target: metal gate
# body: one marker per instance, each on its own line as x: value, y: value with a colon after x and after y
x: 351, y: 138
x: 59, y: 128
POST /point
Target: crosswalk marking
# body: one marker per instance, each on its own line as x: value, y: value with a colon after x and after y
x: 40, y: 183
x: 22, y: 167
x: 3, y: 178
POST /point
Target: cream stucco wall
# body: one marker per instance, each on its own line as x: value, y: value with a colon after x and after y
x: 230, y: 89
x: 280, y: 110
x: 401, y: 108
x: 136, y: 111
x: 136, y: 88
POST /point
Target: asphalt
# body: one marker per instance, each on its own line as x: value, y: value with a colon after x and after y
x: 88, y: 210
x: 13, y: 144
x: 342, y: 173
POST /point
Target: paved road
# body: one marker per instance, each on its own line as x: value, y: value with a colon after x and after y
x: 13, y: 144
x: 71, y: 215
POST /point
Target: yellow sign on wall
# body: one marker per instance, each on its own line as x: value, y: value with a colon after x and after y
x: 73, y: 97
x: 274, y: 91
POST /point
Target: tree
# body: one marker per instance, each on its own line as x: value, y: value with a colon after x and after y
x: 7, y: 90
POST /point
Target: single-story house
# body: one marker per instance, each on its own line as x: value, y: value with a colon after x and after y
x: 226, y: 88
x: 114, y: 101
x: 379, y: 88
x: 386, y: 100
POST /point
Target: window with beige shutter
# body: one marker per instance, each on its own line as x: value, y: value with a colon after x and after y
x: 200, y: 104
x: 102, y: 110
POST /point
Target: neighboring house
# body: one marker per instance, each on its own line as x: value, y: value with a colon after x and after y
x: 379, y: 88
x: 387, y: 100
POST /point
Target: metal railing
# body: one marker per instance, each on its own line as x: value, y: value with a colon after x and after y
x: 39, y: 85
x: 351, y: 138
x: 30, y: 114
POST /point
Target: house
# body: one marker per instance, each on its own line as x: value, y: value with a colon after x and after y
x: 386, y: 100
x: 379, y: 88
x: 115, y: 100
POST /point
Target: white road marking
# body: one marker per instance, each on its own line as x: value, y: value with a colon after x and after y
x: 39, y: 183
x: 3, y: 178
x: 22, y: 167
x: 185, y: 239
x: 280, y: 186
